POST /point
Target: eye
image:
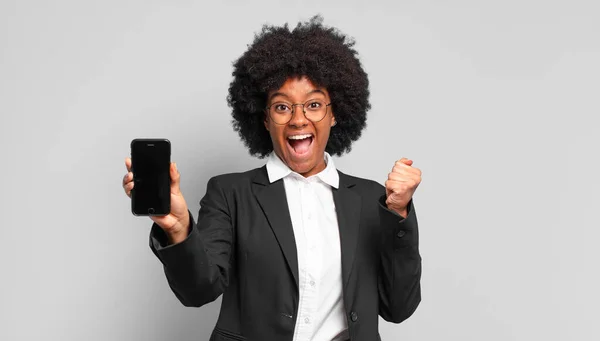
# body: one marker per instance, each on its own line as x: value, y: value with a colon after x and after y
x: 314, y: 105
x: 281, y: 107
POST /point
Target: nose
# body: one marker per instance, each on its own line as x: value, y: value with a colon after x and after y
x: 298, y: 117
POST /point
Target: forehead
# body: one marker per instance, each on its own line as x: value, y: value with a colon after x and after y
x: 298, y: 88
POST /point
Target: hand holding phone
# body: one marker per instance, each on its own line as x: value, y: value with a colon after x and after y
x: 152, y: 183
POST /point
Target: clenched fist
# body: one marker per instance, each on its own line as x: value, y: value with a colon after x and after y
x: 402, y: 182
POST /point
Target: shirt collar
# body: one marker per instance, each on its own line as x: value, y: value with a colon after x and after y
x: 276, y: 170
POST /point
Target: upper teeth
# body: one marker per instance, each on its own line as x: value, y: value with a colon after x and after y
x: 299, y: 137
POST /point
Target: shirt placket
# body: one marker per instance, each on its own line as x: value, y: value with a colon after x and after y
x: 310, y: 295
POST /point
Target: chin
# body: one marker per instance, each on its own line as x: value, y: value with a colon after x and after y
x: 303, y: 168
x: 299, y: 166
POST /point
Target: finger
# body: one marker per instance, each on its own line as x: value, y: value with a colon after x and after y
x: 400, y: 165
x: 406, y: 169
x: 401, y: 186
x: 388, y: 188
x: 175, y: 178
x: 128, y: 187
x: 404, y: 161
x: 395, y: 184
x: 128, y: 163
x: 127, y: 178
x: 400, y: 177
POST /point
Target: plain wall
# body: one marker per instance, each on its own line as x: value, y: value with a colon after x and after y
x: 496, y: 102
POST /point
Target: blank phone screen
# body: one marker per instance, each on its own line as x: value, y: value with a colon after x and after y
x: 150, y: 160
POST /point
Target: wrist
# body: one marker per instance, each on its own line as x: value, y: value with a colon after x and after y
x: 180, y: 233
x: 401, y: 211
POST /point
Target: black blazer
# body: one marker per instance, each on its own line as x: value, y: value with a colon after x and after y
x: 243, y: 247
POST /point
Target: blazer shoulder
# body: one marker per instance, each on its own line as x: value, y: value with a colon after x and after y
x: 237, y: 179
x: 361, y: 184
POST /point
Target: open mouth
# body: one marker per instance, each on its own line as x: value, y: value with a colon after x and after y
x: 300, y: 144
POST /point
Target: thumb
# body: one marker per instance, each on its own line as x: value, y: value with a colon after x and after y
x: 175, y: 178
x: 406, y: 161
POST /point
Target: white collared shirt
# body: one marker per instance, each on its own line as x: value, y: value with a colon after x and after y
x: 321, y: 314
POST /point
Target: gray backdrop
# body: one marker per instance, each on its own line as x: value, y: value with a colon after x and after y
x: 496, y: 102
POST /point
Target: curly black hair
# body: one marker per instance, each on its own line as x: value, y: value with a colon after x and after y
x: 322, y: 54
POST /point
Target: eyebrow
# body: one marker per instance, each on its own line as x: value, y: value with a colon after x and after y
x: 275, y: 94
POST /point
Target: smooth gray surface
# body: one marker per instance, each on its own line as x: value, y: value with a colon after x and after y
x: 496, y: 102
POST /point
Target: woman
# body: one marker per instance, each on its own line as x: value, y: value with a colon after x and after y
x: 298, y: 249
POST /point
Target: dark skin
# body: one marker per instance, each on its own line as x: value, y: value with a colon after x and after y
x: 294, y: 91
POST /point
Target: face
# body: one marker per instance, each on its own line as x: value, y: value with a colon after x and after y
x: 300, y: 143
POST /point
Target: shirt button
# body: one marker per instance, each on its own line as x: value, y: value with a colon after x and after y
x: 307, y: 320
x: 401, y: 234
x: 312, y: 283
x: 353, y: 316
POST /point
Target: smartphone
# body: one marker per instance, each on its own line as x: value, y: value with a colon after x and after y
x: 150, y: 164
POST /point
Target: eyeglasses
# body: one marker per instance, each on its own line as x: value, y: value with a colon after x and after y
x: 282, y: 112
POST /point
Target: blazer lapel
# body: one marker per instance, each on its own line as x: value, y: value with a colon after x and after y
x: 273, y: 201
x: 348, y: 207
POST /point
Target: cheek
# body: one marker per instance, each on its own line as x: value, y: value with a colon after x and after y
x: 323, y: 133
x: 325, y: 126
x: 276, y: 133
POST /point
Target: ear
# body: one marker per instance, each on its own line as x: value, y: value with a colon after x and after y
x: 333, y: 121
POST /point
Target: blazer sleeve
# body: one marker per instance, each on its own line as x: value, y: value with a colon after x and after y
x: 197, y: 269
x: 400, y: 273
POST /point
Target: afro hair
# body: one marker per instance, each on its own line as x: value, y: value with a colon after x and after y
x: 322, y: 54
